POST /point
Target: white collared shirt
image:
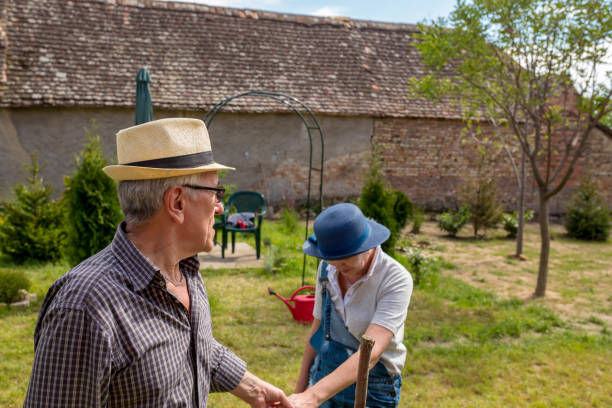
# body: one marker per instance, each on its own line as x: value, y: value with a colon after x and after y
x: 379, y: 297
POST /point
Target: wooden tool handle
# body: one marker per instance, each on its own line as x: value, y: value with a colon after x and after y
x: 361, y: 390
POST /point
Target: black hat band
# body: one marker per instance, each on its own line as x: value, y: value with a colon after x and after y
x: 177, y: 162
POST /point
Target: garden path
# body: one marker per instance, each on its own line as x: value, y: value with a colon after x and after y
x: 243, y: 257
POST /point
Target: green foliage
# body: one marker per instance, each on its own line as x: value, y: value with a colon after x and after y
x: 274, y: 259
x: 32, y: 227
x: 524, y: 64
x: 607, y: 120
x: 388, y: 207
x: 91, y: 202
x: 453, y: 221
x: 424, y: 269
x: 376, y: 203
x: 510, y: 221
x: 229, y: 188
x: 10, y: 284
x: 587, y: 216
x: 403, y: 209
x: 417, y: 220
x: 480, y: 194
x: 289, y: 220
x: 482, y: 42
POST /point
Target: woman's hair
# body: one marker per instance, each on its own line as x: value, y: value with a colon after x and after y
x: 141, y: 199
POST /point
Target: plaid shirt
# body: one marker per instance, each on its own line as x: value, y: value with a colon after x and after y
x: 109, y: 334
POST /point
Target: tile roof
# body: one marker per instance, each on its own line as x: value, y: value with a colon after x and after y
x: 87, y: 53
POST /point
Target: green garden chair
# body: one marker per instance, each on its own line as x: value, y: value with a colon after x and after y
x: 239, y: 203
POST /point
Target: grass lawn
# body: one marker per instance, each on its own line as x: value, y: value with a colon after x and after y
x: 580, y: 273
x: 474, y: 338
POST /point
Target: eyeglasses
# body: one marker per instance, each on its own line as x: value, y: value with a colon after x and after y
x: 218, y: 190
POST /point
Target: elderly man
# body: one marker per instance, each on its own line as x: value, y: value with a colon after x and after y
x: 130, y: 326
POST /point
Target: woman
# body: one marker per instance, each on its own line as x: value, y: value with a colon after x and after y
x: 360, y: 290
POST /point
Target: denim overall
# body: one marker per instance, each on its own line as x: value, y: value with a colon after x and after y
x: 334, y: 344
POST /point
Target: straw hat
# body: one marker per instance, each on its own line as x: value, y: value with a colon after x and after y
x: 163, y: 148
x: 342, y: 231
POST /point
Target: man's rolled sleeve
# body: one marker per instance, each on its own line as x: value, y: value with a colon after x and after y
x: 227, y: 370
x: 71, y: 362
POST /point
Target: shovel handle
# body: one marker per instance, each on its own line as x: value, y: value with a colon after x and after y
x: 361, y: 389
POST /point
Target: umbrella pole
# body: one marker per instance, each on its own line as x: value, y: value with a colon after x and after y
x: 361, y: 390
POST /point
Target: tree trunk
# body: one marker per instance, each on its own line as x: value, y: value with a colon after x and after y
x: 545, y: 247
x: 521, y: 209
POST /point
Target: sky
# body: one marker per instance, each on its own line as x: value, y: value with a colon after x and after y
x: 398, y: 11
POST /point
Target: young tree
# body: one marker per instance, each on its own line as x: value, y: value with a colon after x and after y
x: 92, y: 207
x: 32, y: 227
x: 490, y: 145
x: 539, y: 65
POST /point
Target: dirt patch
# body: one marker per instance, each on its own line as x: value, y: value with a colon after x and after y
x: 579, y: 285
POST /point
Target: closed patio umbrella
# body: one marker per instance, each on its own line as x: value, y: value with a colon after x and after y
x: 144, y: 105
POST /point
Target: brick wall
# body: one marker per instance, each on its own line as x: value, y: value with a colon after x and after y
x: 430, y: 160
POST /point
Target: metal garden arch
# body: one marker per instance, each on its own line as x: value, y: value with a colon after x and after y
x: 312, y: 125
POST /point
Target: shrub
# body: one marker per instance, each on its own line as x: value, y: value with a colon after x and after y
x: 510, y: 221
x: 452, y: 222
x: 10, y: 284
x: 289, y: 220
x: 92, y: 206
x: 417, y: 220
x: 424, y: 269
x: 388, y: 207
x: 274, y: 260
x: 480, y: 194
x: 229, y: 188
x: 587, y: 216
x: 32, y: 226
x: 402, y: 208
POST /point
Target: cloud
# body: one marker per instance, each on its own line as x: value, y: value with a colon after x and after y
x: 329, y: 11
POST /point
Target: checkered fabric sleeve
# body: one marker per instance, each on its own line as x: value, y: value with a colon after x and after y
x: 76, y: 369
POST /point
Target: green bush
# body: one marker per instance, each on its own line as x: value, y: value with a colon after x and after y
x: 388, y: 207
x: 229, y: 188
x: 92, y: 206
x: 10, y: 284
x: 424, y: 269
x: 273, y: 261
x: 289, y: 220
x: 587, y: 216
x: 403, y: 209
x: 417, y: 220
x: 453, y: 221
x: 480, y: 194
x: 32, y: 226
x: 510, y: 221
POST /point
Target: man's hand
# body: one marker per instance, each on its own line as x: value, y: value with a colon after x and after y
x: 259, y: 394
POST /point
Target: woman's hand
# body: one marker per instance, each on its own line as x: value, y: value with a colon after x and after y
x: 303, y: 400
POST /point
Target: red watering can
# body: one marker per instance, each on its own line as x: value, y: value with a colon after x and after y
x: 302, y: 304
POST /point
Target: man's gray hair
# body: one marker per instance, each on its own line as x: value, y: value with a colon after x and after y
x: 141, y: 199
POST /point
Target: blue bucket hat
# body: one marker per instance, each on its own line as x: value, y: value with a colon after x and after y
x: 342, y: 231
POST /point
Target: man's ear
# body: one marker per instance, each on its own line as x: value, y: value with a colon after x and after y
x: 174, y: 203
